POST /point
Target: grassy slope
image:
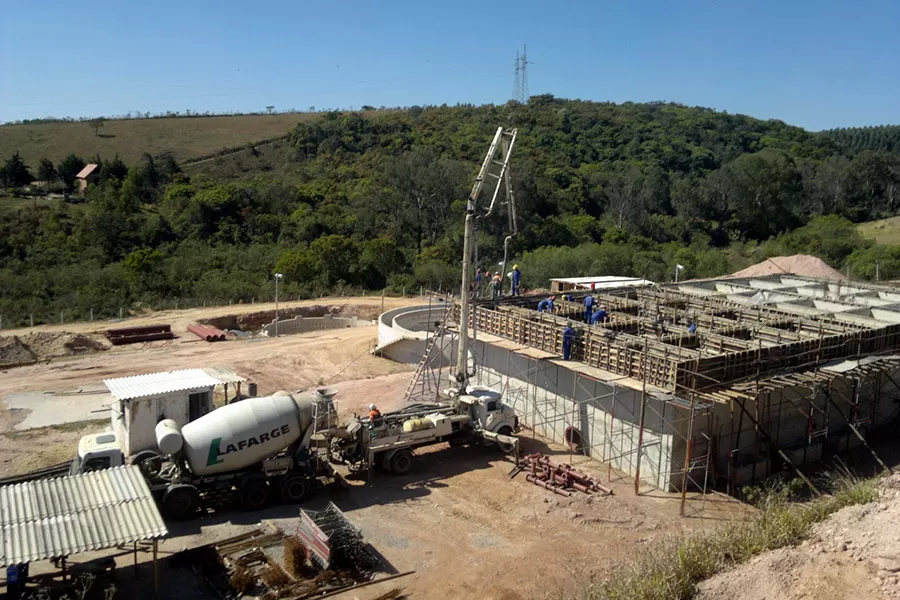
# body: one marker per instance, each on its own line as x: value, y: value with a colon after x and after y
x: 883, y: 231
x: 185, y: 137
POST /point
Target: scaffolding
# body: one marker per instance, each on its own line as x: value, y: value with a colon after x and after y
x: 753, y: 388
x: 434, y: 368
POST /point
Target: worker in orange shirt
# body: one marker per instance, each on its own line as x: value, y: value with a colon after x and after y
x: 375, y: 418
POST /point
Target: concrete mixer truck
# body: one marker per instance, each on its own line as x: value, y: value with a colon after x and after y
x: 250, y: 451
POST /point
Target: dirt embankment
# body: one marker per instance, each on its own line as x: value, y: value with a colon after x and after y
x: 853, y: 555
x: 254, y: 321
x: 43, y: 345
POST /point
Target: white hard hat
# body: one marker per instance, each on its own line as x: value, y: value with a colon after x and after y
x: 371, y: 407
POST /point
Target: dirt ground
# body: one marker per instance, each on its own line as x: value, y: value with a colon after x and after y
x: 339, y: 356
x: 853, y: 555
x: 457, y: 517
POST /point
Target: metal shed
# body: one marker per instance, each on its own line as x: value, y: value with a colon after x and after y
x: 141, y: 401
x: 51, y: 518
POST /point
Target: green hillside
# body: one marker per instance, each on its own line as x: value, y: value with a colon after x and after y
x: 377, y: 199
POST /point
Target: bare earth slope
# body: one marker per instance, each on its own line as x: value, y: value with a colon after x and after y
x: 798, y: 264
x: 853, y: 555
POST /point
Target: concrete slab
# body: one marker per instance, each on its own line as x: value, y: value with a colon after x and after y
x: 57, y: 408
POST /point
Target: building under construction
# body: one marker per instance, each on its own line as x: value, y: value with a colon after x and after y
x: 780, y: 372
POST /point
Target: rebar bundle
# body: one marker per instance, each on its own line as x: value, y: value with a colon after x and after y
x: 559, y: 478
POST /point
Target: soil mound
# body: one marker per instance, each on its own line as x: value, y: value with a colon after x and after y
x: 43, y: 345
x: 14, y: 352
x: 48, y: 344
x: 853, y: 554
x: 798, y: 264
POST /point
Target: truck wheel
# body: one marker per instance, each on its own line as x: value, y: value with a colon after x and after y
x: 181, y: 501
x: 148, y: 461
x: 505, y: 430
x: 254, y: 494
x: 401, y: 462
x: 295, y: 488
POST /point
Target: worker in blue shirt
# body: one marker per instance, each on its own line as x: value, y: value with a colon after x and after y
x: 588, y: 308
x: 568, y: 340
x: 692, y: 328
x: 599, y: 316
x: 546, y: 305
x: 516, y: 278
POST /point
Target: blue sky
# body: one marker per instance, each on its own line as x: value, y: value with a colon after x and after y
x: 813, y: 63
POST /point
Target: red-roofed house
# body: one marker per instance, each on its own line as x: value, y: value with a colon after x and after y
x: 87, y: 175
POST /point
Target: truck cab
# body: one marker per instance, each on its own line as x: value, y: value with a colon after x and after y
x: 95, y: 452
x: 486, y: 408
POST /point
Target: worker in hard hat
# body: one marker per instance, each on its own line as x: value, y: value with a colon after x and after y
x: 496, y: 286
x: 516, y: 278
x: 375, y: 418
x: 568, y: 341
x: 588, y: 308
x: 546, y: 305
x: 599, y: 316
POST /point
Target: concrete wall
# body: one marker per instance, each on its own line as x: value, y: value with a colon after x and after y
x: 785, y: 417
x: 549, y: 397
x: 305, y: 324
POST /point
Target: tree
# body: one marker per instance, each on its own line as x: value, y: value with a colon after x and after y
x: 422, y: 186
x: 270, y: 108
x: 14, y: 172
x: 68, y: 169
x: 337, y: 257
x: 381, y: 257
x: 96, y: 124
x: 47, y: 171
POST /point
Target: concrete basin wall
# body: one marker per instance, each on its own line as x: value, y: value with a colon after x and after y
x: 304, y: 324
x: 403, y: 332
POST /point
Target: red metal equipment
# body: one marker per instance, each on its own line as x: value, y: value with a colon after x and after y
x: 131, y: 335
x: 558, y: 478
x: 207, y: 332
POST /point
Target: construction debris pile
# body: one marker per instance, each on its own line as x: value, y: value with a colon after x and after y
x: 334, y: 543
x: 559, y: 478
x: 328, y: 554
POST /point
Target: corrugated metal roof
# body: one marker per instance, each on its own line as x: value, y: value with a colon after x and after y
x: 56, y: 517
x: 224, y: 374
x: 154, y: 384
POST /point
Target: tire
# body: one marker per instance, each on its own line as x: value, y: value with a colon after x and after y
x: 254, y: 494
x: 181, y: 501
x: 401, y: 462
x: 148, y: 461
x: 505, y: 430
x: 295, y: 488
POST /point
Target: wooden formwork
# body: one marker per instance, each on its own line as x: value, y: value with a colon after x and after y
x: 750, y: 341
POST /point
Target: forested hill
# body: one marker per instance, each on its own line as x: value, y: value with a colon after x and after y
x: 884, y: 138
x: 376, y: 198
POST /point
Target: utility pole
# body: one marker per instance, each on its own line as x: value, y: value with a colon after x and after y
x: 678, y: 269
x: 278, y: 277
x: 877, y: 271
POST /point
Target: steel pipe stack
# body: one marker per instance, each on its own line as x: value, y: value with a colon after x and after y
x: 207, y: 332
x: 559, y: 478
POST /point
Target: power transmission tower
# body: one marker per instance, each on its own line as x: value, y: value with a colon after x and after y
x: 520, y: 73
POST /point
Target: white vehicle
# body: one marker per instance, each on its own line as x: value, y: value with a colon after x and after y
x: 251, y: 451
x: 479, y: 416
